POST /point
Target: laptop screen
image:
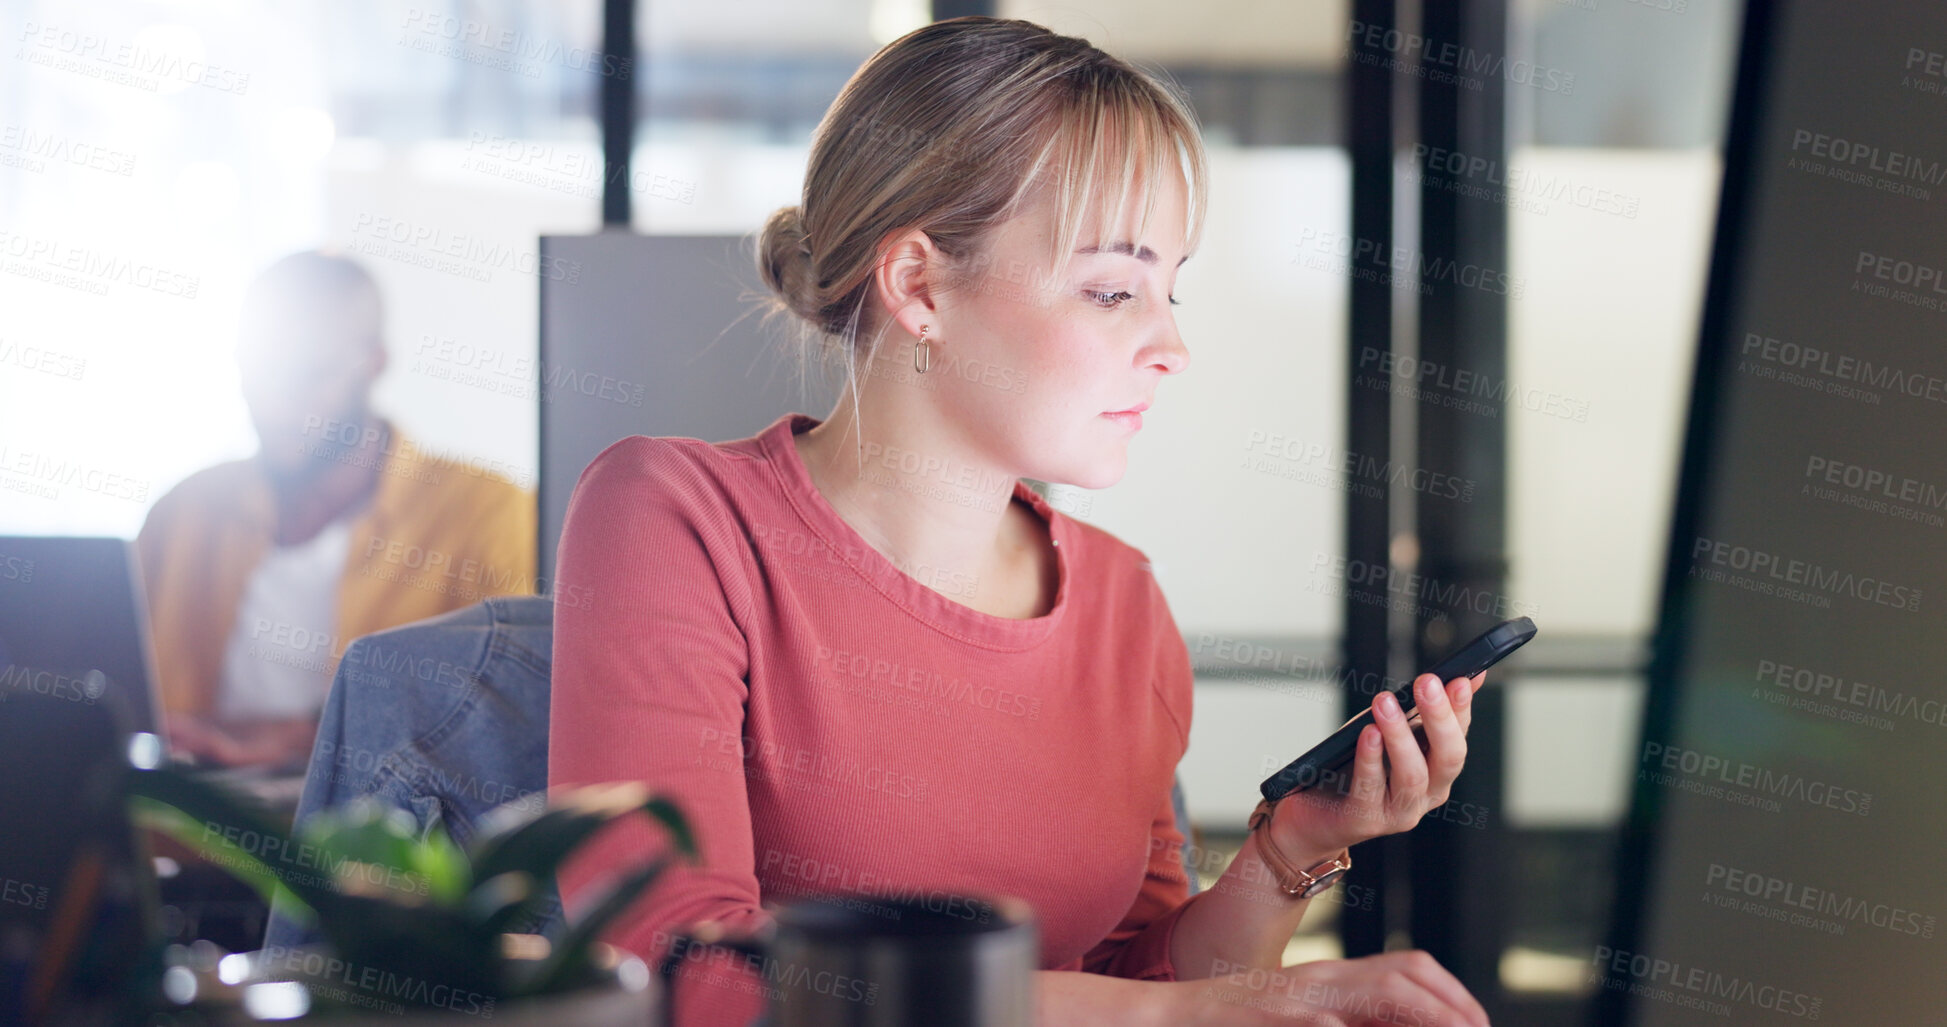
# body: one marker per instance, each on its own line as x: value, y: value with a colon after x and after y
x: 74, y: 625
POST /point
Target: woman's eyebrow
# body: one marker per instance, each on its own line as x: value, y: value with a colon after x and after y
x: 1144, y: 254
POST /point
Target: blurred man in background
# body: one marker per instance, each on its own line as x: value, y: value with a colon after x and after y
x: 261, y: 571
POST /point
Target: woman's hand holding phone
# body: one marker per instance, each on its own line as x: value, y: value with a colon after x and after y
x: 1399, y: 773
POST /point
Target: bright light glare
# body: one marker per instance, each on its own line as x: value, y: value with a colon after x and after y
x: 171, y: 46
x: 144, y: 751
x: 302, y: 135
x: 179, y: 984
x: 233, y: 968
x: 633, y: 974
x: 209, y: 189
x: 277, y: 1000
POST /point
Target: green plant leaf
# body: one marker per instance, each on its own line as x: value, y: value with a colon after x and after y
x: 366, y: 833
x: 364, y: 829
x: 536, y: 844
x: 217, y: 819
x: 156, y: 816
x: 444, y: 866
x: 571, y: 961
x: 453, y: 937
x: 496, y: 902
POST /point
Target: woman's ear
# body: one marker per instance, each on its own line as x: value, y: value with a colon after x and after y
x: 909, y: 266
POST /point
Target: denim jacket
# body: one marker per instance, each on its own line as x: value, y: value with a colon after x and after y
x: 447, y: 719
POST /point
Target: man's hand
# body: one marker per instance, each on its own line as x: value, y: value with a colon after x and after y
x: 252, y: 743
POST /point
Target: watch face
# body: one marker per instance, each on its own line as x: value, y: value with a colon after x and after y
x: 1323, y: 883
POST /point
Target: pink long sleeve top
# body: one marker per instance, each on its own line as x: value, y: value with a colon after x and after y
x: 833, y: 725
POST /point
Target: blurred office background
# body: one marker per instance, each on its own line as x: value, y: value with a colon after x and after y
x: 358, y: 123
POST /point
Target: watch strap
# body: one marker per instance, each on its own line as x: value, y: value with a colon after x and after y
x: 1292, y: 880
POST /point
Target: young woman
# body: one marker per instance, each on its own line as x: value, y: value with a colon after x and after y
x: 866, y: 659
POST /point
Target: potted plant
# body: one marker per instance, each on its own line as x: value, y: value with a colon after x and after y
x: 416, y: 927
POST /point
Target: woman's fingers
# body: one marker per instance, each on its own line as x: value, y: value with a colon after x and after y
x: 1369, y: 774
x: 1394, y: 988
x: 1415, y: 1003
x: 1460, y: 696
x: 1437, y: 979
x: 1446, y: 740
x: 1389, y: 988
x: 1408, y: 778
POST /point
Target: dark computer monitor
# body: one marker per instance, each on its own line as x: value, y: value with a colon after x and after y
x: 1782, y: 855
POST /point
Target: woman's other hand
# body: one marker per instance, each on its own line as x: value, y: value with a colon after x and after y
x: 1396, y: 989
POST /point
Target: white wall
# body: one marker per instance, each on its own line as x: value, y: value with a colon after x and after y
x: 1610, y: 318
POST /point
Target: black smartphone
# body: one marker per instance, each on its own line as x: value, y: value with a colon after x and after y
x: 1336, y: 751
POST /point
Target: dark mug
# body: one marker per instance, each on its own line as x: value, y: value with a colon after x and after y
x: 875, y: 961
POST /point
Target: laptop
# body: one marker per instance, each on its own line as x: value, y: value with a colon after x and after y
x: 77, y: 682
x: 73, y: 625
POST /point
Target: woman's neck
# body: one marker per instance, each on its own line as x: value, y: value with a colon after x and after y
x: 933, y: 506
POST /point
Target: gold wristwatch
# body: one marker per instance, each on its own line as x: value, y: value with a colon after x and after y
x: 1299, y: 884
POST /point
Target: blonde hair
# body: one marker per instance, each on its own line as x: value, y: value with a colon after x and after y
x: 952, y: 129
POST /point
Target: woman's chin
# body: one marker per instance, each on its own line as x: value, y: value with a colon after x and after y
x: 1102, y: 474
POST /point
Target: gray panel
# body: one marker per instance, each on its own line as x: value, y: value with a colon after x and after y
x: 654, y: 335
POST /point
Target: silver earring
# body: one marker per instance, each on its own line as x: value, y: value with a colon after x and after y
x: 923, y: 352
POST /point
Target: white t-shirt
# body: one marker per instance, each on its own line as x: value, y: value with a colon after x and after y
x: 277, y: 663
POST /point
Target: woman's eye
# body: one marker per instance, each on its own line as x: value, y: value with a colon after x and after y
x: 1111, y: 300
x: 1174, y: 302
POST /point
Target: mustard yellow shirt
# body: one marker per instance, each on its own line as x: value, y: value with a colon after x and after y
x: 436, y: 536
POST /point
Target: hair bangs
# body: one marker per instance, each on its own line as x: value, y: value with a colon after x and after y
x: 1114, y: 144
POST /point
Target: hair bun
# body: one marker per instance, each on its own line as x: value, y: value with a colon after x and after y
x: 784, y: 261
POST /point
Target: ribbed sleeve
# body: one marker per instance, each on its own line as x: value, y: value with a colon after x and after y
x: 649, y: 661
